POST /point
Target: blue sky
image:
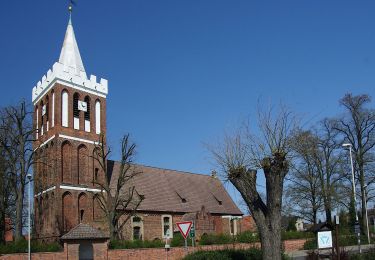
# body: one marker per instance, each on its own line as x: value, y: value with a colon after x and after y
x: 181, y: 72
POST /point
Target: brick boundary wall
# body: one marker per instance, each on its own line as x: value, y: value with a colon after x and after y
x: 174, y: 253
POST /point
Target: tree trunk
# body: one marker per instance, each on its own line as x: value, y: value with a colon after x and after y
x: 271, y: 245
x: 267, y: 216
x: 19, y: 214
x: 363, y: 200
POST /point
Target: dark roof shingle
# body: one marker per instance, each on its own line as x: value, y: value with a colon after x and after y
x: 84, y: 231
x: 176, y: 191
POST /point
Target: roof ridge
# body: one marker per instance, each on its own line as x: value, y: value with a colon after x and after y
x: 168, y: 169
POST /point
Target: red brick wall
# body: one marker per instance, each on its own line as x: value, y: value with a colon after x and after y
x: 179, y: 252
x: 64, y: 161
x: 248, y: 224
x: 35, y: 256
x: 101, y: 252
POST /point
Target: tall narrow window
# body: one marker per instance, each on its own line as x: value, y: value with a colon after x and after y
x: 42, y: 118
x: 64, y: 105
x: 137, y: 228
x: 76, y: 111
x: 167, y: 226
x: 66, y: 162
x: 36, y: 122
x: 53, y: 110
x: 233, y: 226
x: 87, y: 114
x: 47, y: 113
x: 97, y: 117
x: 83, y: 162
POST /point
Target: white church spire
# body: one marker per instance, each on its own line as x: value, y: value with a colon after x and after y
x: 69, y: 55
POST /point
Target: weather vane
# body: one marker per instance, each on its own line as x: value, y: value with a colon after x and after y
x: 71, y: 3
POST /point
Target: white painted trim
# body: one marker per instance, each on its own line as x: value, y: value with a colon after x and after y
x: 232, y: 217
x: 170, y: 226
x: 47, y: 190
x: 97, y: 117
x: 65, y: 108
x: 69, y: 187
x: 87, y: 125
x: 43, y: 144
x: 76, y: 123
x: 67, y: 84
x: 77, y: 139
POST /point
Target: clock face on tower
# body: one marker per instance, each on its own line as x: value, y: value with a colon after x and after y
x: 82, y: 106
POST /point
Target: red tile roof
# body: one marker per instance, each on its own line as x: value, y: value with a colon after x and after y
x: 84, y: 231
x: 166, y: 190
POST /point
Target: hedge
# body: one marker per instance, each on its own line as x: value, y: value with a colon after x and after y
x: 21, y: 246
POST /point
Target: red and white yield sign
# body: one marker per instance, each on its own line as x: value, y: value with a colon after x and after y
x: 184, y: 227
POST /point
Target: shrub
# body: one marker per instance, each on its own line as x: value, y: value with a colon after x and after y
x: 21, y: 246
x: 370, y: 255
x: 285, y: 235
x: 212, y: 239
x: 127, y: 244
x: 247, y: 237
x: 227, y: 254
x: 178, y: 240
x: 310, y: 244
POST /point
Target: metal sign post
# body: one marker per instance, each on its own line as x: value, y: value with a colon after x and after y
x: 192, y: 234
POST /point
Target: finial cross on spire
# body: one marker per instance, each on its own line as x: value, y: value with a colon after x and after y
x: 71, y: 3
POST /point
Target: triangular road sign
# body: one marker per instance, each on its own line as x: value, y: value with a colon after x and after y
x: 184, y: 227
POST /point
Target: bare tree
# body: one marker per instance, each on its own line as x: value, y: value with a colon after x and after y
x: 239, y: 154
x: 6, y: 195
x: 328, y: 160
x: 304, y: 190
x: 16, y: 122
x: 316, y: 174
x: 357, y: 126
x: 117, y: 199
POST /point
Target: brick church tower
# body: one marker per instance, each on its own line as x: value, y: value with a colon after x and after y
x: 70, y: 115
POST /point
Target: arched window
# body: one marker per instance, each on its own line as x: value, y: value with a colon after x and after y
x: 64, y: 109
x: 47, y: 113
x: 66, y: 159
x: 83, y: 214
x: 36, y: 122
x: 68, y: 212
x: 41, y: 210
x: 137, y: 228
x: 97, y: 175
x: 87, y: 114
x: 42, y: 118
x: 97, y: 116
x: 76, y: 111
x: 53, y: 109
x: 97, y: 212
x: 83, y: 165
x: 51, y: 210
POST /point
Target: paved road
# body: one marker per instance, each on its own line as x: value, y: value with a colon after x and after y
x: 302, y: 254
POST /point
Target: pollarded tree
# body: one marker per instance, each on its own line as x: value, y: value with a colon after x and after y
x: 241, y: 154
x: 117, y: 199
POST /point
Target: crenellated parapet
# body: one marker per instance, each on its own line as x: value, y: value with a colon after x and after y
x: 69, y: 76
